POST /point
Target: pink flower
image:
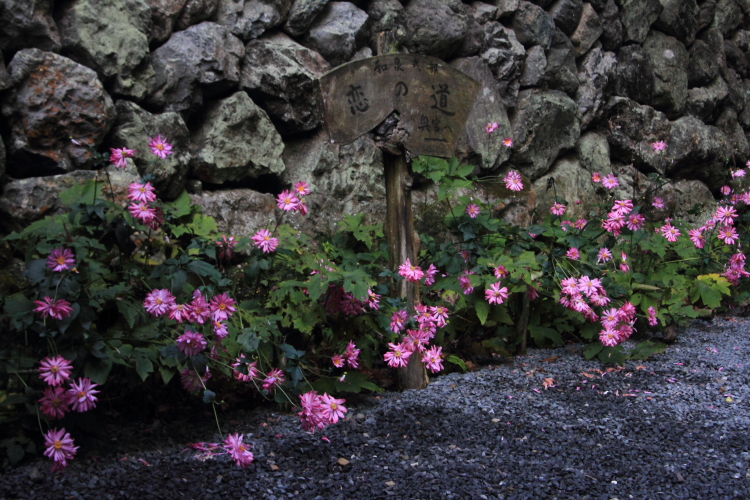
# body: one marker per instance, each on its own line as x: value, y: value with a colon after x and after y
x: 587, y: 286
x: 398, y: 320
x: 273, y: 378
x: 410, y: 272
x: 60, y: 259
x: 610, y: 318
x: 191, y: 381
x: 179, y: 312
x: 604, y: 255
x: 627, y: 312
x: 610, y: 182
x: 191, y: 343
x: 513, y: 181
x: 332, y: 408
x: 500, y: 272
x: 624, y: 267
x: 337, y: 360
x: 465, y: 283
x: 652, y: 319
x: 416, y: 340
x: 696, y: 236
x: 54, y: 371
x: 352, y: 354
x: 433, y: 359
x: 573, y: 253
x: 659, y: 145
x: 491, y: 127
x: 623, y: 207
x: 557, y: 209
x: 580, y: 223
x: 657, y: 203
x: 159, y: 146
x: 222, y: 307
x: 495, y: 294
x: 142, y: 211
x: 141, y: 192
x: 609, y: 337
x: 58, y: 309
x: 301, y: 188
x: 429, y: 275
x: 728, y: 235
x: 59, y: 447
x: 726, y: 190
x: 725, y: 215
x: 81, y: 395
x: 54, y: 404
x: 397, y: 356
x: 670, y: 232
x: 118, y: 157
x: 507, y: 142
x: 738, y: 173
x: 199, y: 308
x: 252, y: 370
x: 264, y: 241
x: 472, y: 210
x: 311, y: 417
x: 159, y: 302
x: 596, y: 177
x: 287, y: 201
x: 635, y: 222
x: 238, y: 450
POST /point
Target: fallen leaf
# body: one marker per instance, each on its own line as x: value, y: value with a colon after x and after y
x: 342, y: 461
x: 495, y: 420
x: 548, y: 382
x: 390, y: 484
x: 587, y: 375
x: 640, y: 367
x: 550, y: 359
x: 274, y: 467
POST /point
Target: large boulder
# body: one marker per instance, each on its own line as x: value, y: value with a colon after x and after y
x: 52, y: 99
x: 505, y: 56
x: 435, y: 27
x: 566, y: 14
x: 197, y: 11
x: 588, y: 31
x: 487, y: 108
x: 706, y: 15
x: 335, y: 32
x: 474, y: 38
x: 706, y: 102
x: 635, y: 74
x: 484, y: 12
x: 201, y: 61
x: 533, y: 26
x: 28, y: 24
x: 4, y: 75
x: 343, y: 180
x: 281, y: 74
x: 561, y: 72
x: 681, y: 196
x: 250, y: 19
x: 302, y: 14
x: 506, y: 8
x: 596, y: 74
x: 110, y: 37
x: 534, y: 67
x: 238, y: 212
x: 235, y: 141
x: 736, y: 58
x: 611, y: 27
x: 631, y: 130
x: 543, y: 124
x: 24, y: 201
x: 592, y: 151
x: 670, y: 60
x: 164, y: 14
x: 133, y: 130
x: 573, y: 184
x: 728, y: 123
x: 698, y: 151
x: 680, y: 19
x: 2, y: 158
x: 703, y: 63
x: 637, y: 16
x: 727, y: 17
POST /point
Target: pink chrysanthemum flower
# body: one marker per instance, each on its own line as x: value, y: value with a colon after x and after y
x: 337, y: 360
x: 440, y: 315
x: 491, y: 127
x: 580, y: 223
x: 54, y: 404
x: 433, y: 359
x: 513, y: 181
x: 141, y: 192
x: 179, y: 312
x: 352, y: 354
x: 573, y: 253
x: 725, y: 215
x: 635, y: 222
x: 670, y: 232
x: 60, y: 259
x: 159, y: 146
x: 301, y: 188
x: 610, y: 182
x: 118, y: 157
x: 610, y: 318
x: 472, y: 210
x: 287, y: 201
x: 495, y: 294
x: 397, y: 356
x: 604, y: 255
x: 728, y: 235
x: 273, y: 378
x: 465, y: 283
x: 726, y: 190
x: 311, y: 417
x: 500, y: 272
x: 222, y: 307
x: 596, y: 177
x: 220, y: 329
x: 252, y: 370
x: 58, y: 309
x: 738, y: 173
x: 657, y: 202
x: 142, y: 211
x: 587, y: 286
x: 557, y: 209
x: 59, y: 447
x: 199, y: 308
x: 659, y: 145
x: 265, y: 241
x: 191, y: 343
x: 398, y: 320
x: 624, y: 267
x: 416, y: 340
x: 159, y: 302
x: 569, y: 286
x: 226, y: 246
x: 429, y: 275
x: 191, y: 381
x: 238, y: 450
x: 410, y: 272
x: 508, y: 142
x: 54, y: 371
x: 609, y: 337
x: 332, y: 408
x: 623, y: 207
x: 652, y: 319
x: 696, y: 236
x: 81, y: 395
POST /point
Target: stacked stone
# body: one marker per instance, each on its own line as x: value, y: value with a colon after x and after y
x: 579, y: 87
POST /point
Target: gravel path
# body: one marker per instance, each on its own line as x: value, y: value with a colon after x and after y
x: 672, y: 427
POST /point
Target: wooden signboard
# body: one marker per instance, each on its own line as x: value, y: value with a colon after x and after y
x: 433, y: 100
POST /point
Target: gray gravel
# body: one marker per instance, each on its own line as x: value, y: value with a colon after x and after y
x: 675, y: 426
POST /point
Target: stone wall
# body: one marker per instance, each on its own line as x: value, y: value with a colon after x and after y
x: 579, y: 87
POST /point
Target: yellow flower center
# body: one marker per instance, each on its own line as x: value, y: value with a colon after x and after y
x: 159, y: 146
x: 142, y: 190
x: 57, y: 444
x: 54, y: 368
x: 81, y: 394
x: 242, y: 447
x: 334, y: 406
x: 397, y: 354
x: 222, y: 306
x: 266, y: 238
x: 61, y: 261
x: 158, y: 301
x: 56, y: 402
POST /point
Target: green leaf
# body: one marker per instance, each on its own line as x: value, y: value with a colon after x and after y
x: 15, y: 453
x: 18, y: 304
x: 179, y: 207
x: 129, y: 310
x: 646, y: 349
x: 482, y: 308
x: 81, y: 193
x: 143, y: 365
x: 166, y: 373
x: 290, y: 352
x: 208, y: 396
x: 202, y: 225
x: 248, y: 340
x: 614, y: 355
x: 204, y: 269
x: 592, y: 350
x: 456, y: 361
x: 541, y: 334
x: 98, y: 369
x: 464, y: 170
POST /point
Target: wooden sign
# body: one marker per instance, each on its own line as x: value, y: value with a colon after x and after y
x: 433, y: 100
